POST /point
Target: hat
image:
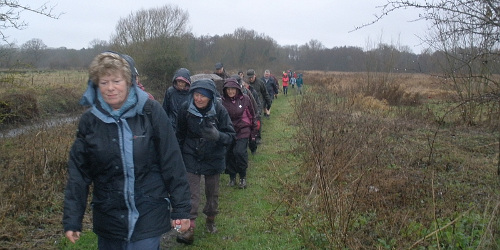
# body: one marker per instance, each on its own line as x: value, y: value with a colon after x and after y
x: 250, y: 72
x: 218, y: 65
x: 204, y: 92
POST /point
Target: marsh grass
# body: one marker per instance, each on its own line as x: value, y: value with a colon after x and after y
x: 339, y: 168
x: 377, y: 177
x: 33, y: 166
x: 31, y: 95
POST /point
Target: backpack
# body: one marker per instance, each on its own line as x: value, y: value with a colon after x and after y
x: 148, y: 110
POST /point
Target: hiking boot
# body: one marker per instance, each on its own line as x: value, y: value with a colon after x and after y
x: 232, y: 182
x: 186, y: 237
x: 243, y: 183
x: 210, y: 224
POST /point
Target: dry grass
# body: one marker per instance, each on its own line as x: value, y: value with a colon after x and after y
x: 383, y: 174
x: 380, y: 168
x: 33, y: 167
x: 33, y: 164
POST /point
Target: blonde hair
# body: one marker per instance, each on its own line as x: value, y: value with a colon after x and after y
x: 107, y: 63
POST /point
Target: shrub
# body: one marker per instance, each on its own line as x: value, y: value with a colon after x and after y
x: 18, y: 107
x: 60, y: 100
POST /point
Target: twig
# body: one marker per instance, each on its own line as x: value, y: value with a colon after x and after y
x: 434, y: 208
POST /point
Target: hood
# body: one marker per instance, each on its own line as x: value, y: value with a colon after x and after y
x: 231, y: 83
x: 184, y: 73
x: 131, y: 63
x: 203, y: 83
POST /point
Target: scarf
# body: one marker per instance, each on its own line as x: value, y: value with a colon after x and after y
x: 130, y: 102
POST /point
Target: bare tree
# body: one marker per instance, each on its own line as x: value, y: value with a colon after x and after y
x: 33, y: 50
x: 144, y: 25
x: 10, y: 15
x: 468, y: 34
x: 315, y: 45
x: 98, y: 43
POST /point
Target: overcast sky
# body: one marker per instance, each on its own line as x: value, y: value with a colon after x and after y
x: 287, y: 22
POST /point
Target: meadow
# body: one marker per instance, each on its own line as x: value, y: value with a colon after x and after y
x: 360, y: 161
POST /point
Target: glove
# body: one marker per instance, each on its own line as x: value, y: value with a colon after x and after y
x: 210, y: 133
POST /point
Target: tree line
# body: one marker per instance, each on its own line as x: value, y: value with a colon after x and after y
x: 160, y: 42
x: 240, y: 50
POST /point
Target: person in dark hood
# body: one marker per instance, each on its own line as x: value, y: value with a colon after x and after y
x: 126, y: 149
x: 252, y: 144
x: 265, y: 100
x: 248, y: 92
x: 204, y: 130
x: 242, y: 113
x: 254, y: 97
x: 177, y: 94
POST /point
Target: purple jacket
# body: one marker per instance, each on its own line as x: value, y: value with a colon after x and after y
x: 240, y: 110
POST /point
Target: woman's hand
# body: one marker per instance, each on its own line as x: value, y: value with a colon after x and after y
x: 72, y: 236
x: 210, y: 132
x: 183, y: 223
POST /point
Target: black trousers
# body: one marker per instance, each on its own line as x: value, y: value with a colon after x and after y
x: 237, y: 159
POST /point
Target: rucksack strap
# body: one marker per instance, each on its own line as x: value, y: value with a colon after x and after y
x: 148, y: 110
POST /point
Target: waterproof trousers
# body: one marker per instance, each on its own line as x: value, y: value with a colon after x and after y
x: 211, y: 207
x: 237, y: 158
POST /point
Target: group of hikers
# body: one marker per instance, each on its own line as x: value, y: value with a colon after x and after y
x: 291, y: 78
x: 146, y: 160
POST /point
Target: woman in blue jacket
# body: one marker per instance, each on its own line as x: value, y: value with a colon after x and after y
x: 126, y: 147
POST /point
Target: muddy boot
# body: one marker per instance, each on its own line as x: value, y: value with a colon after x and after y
x: 210, y: 224
x: 186, y: 237
x: 232, y: 182
x: 243, y: 183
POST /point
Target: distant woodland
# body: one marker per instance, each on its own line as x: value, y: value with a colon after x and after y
x: 160, y: 42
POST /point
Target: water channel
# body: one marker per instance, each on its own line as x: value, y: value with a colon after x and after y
x: 9, y: 133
